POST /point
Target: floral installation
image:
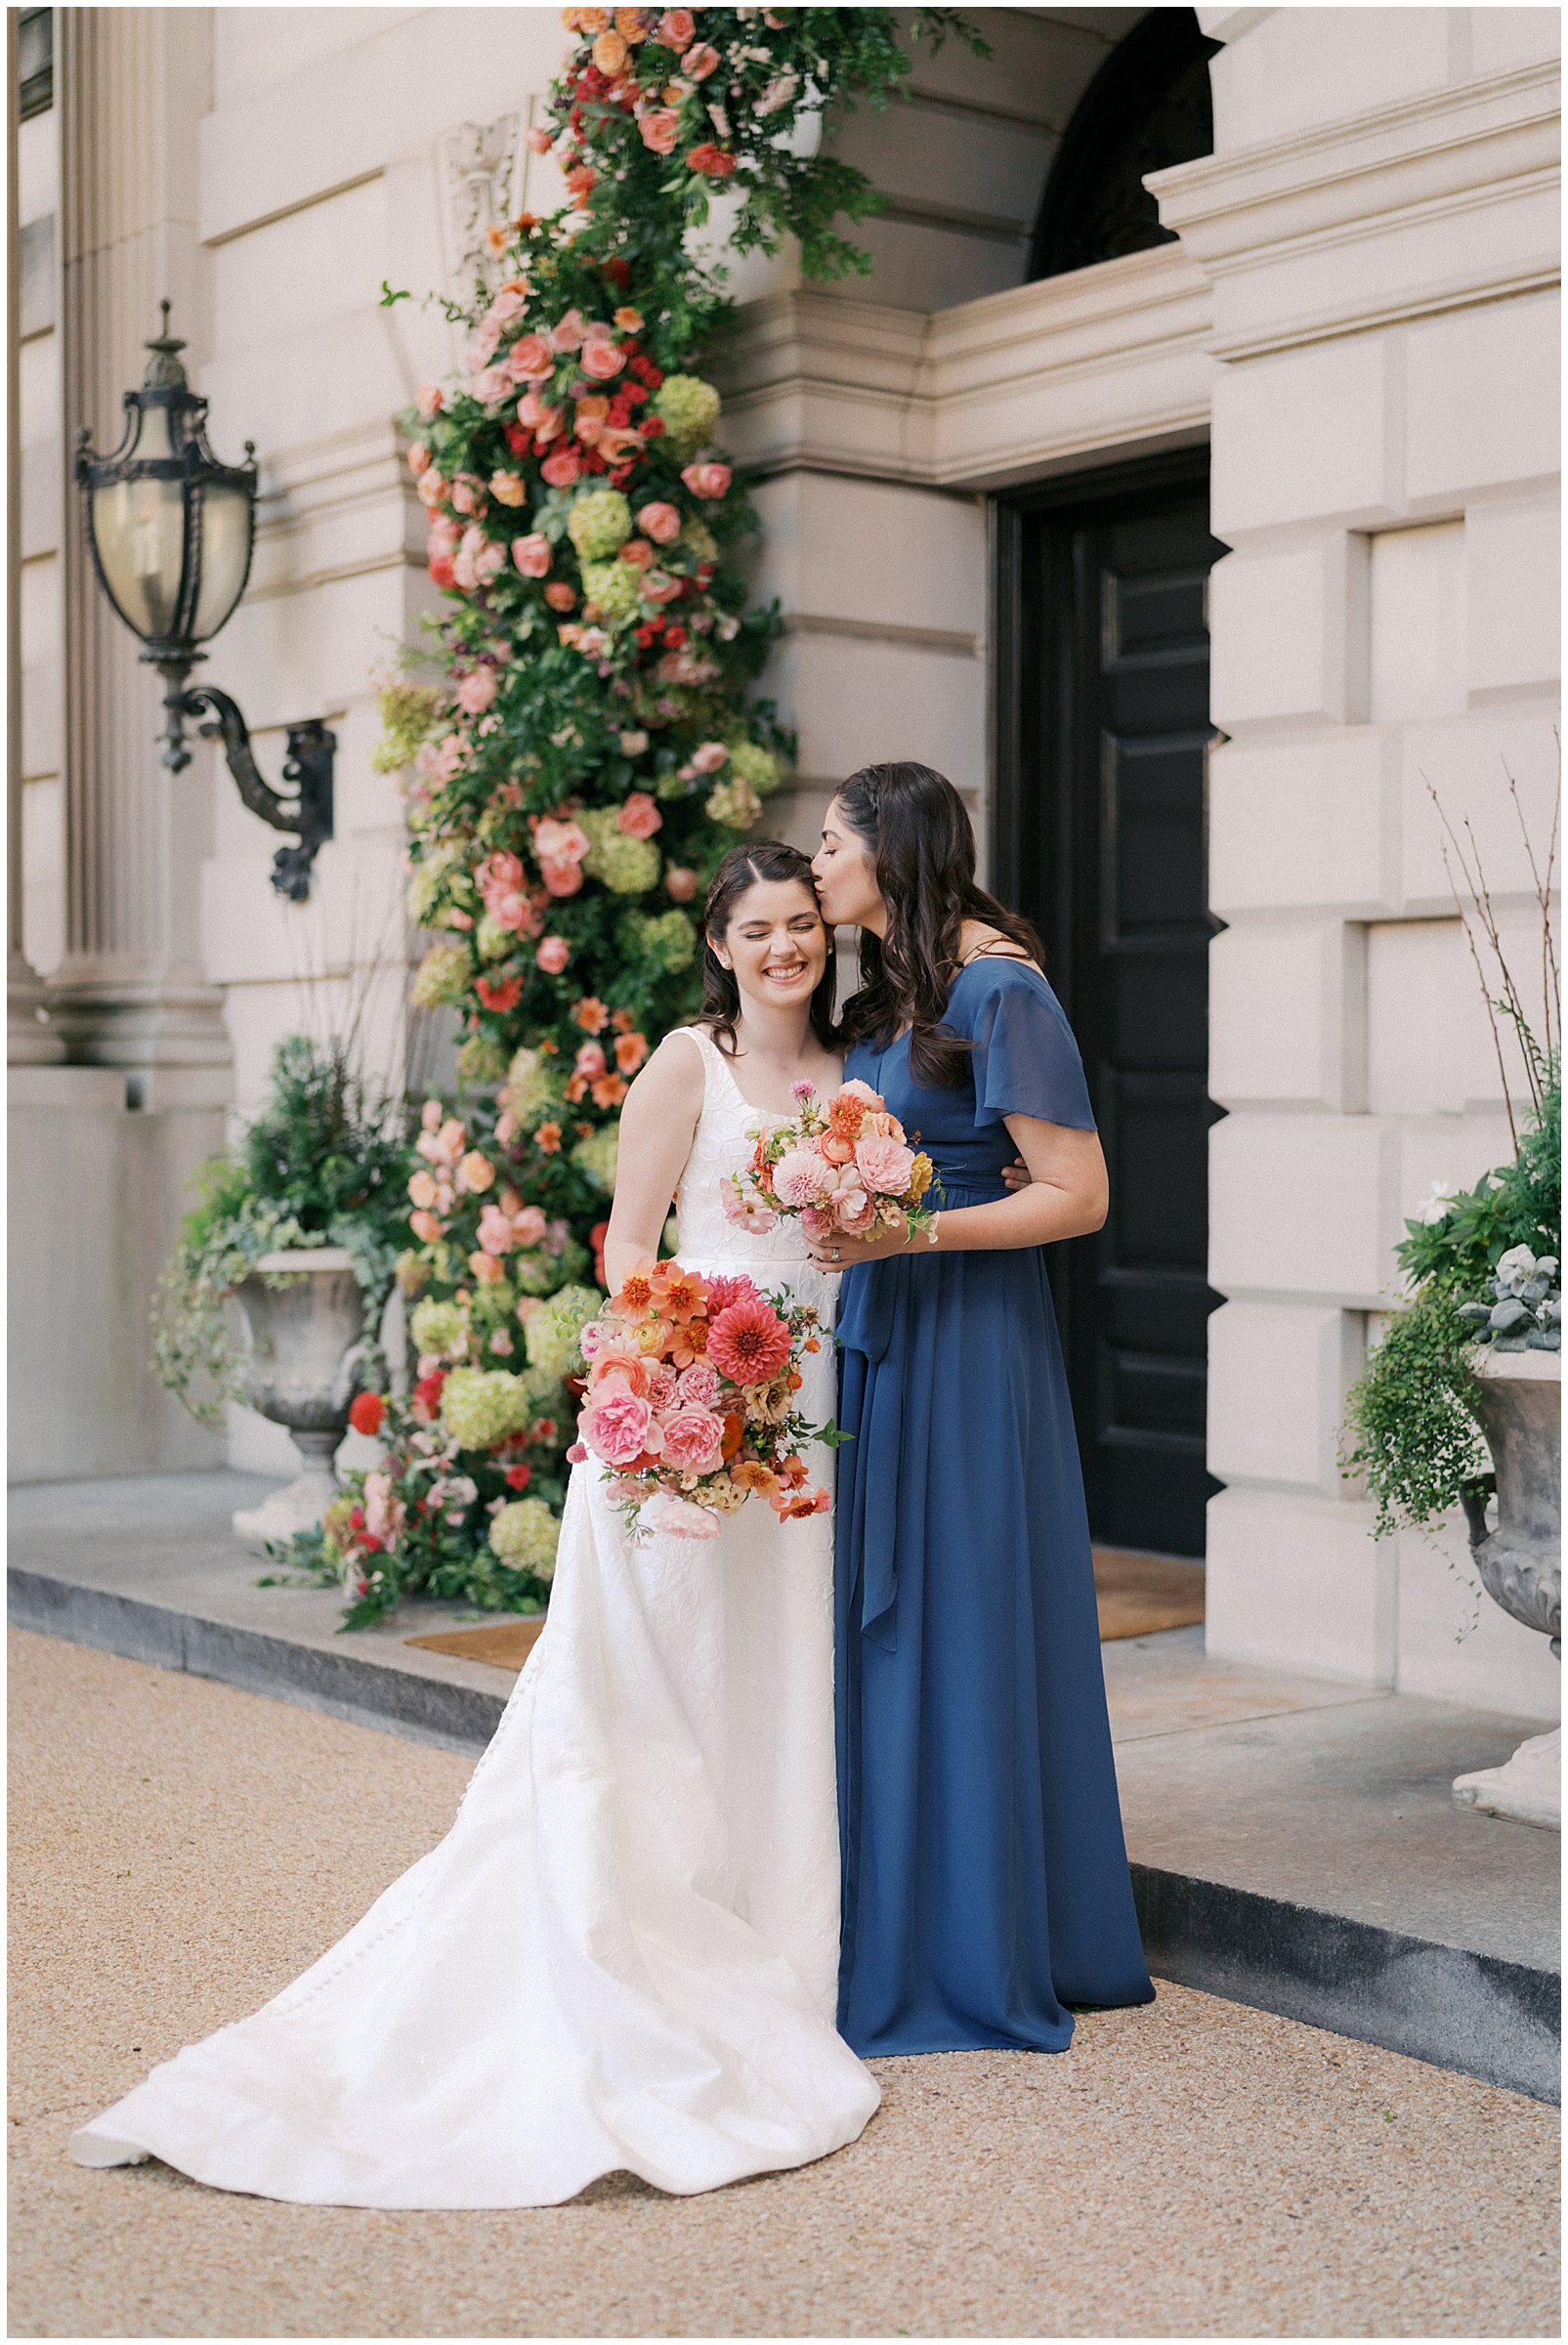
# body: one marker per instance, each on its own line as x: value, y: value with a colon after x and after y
x: 690, y: 1402
x: 843, y: 1169
x: 590, y: 744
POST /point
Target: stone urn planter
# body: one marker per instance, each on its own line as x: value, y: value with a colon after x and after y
x: 304, y: 1311
x: 1520, y: 1562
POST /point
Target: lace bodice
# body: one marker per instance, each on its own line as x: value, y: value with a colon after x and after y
x: 722, y: 1145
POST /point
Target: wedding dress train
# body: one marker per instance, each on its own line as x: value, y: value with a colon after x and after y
x: 625, y: 1953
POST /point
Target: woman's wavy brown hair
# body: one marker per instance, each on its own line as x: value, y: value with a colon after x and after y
x: 918, y: 832
x: 758, y: 858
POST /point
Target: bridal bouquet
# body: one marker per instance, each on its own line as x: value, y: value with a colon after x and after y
x: 689, y: 1399
x: 846, y: 1170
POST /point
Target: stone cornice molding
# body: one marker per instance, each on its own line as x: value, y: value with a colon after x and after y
x: 980, y: 395
x: 1357, y: 223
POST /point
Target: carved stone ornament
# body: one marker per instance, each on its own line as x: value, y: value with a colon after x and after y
x: 479, y: 164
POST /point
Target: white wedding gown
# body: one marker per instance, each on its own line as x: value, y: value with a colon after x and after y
x: 625, y: 1953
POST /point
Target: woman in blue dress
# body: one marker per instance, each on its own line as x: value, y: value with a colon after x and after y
x: 985, y: 1874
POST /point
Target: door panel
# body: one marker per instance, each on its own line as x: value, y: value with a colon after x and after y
x: 1102, y: 844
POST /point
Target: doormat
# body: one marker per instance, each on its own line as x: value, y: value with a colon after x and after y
x: 505, y: 1644
x: 1139, y: 1594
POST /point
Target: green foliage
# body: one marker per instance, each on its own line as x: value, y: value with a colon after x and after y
x: 325, y: 1162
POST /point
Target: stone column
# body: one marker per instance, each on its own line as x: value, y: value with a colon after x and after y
x: 131, y: 88
x: 30, y: 1040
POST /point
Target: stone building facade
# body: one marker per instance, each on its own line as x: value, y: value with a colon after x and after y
x: 1193, y: 552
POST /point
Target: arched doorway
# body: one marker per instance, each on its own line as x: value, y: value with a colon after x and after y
x: 1147, y: 108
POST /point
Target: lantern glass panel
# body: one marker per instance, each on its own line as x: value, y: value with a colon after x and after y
x: 225, y: 529
x: 139, y: 527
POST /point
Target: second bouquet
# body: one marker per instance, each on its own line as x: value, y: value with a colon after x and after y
x: 845, y: 1170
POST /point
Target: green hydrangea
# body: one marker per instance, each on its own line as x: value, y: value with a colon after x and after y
x: 699, y: 539
x: 430, y: 881
x: 614, y: 590
x: 666, y: 938
x: 411, y: 1271
x: 596, y: 1156
x: 439, y: 1328
x: 483, y: 1406
x: 628, y: 867
x: 494, y: 941
x: 689, y: 410
x: 750, y: 763
x: 530, y: 1085
x: 409, y: 713
x: 551, y: 1334
x: 735, y: 804
x: 599, y: 522
x: 481, y: 1061
x: 444, y: 975
x: 523, y: 1535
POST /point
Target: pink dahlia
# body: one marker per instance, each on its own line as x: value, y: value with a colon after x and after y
x: 802, y: 1177
x: 748, y: 1343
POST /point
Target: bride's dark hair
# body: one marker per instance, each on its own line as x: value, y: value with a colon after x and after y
x: 918, y: 832
x: 742, y: 869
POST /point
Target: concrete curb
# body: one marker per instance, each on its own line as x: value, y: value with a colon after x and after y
x: 1485, y: 2017
x: 345, y: 1684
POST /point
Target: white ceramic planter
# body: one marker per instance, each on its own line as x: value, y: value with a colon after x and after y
x: 305, y: 1313
x: 1520, y: 1562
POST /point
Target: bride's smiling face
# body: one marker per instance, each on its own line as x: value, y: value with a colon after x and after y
x: 776, y: 944
x: 844, y: 869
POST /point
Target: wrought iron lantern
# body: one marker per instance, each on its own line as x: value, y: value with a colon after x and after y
x: 171, y: 531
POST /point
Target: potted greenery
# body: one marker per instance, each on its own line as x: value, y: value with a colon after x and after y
x: 1460, y: 1404
x: 299, y: 1223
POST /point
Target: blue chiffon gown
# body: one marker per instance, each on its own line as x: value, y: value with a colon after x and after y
x: 985, y: 1874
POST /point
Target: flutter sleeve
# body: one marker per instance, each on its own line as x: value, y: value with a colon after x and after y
x: 1026, y: 1061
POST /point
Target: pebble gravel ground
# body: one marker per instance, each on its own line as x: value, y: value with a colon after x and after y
x: 180, y: 1851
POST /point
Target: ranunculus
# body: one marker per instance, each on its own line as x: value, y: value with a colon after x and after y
x: 366, y: 1413
x: 475, y: 692
x: 638, y: 552
x: 801, y: 1177
x: 508, y: 488
x: 697, y: 1386
x: 660, y: 522
x: 707, y: 480
x: 475, y: 1171
x: 885, y: 1165
x: 660, y: 128
x: 532, y: 554
x: 553, y: 954
x: 680, y: 883
x: 560, y: 878
x: 615, y: 1424
x: 560, y: 594
x: 693, y: 1440
x: 560, y: 467
x: 495, y: 1232
x: 602, y: 358
x: 639, y: 817
x: 853, y: 1210
x: 748, y: 1343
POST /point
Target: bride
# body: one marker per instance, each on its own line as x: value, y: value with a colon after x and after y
x: 625, y: 1954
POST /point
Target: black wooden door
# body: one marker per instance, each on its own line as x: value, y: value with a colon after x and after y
x: 1103, y: 709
